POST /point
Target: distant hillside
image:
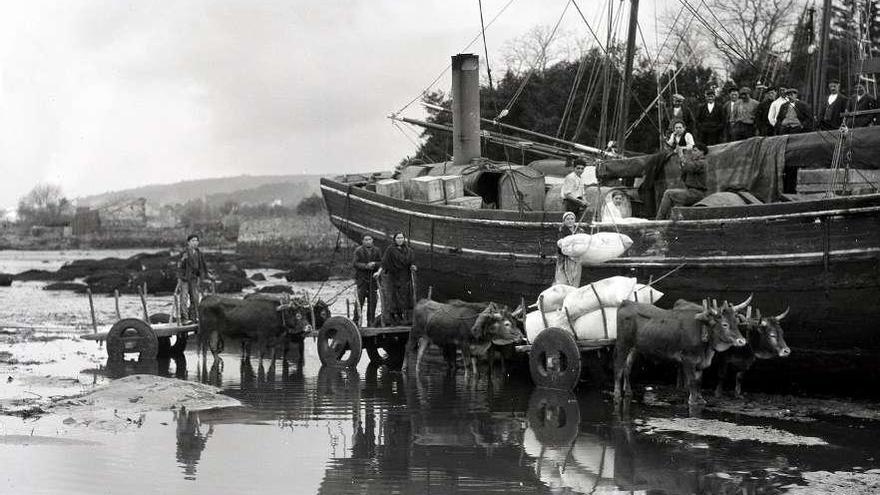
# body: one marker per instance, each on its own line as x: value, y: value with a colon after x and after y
x: 244, y: 188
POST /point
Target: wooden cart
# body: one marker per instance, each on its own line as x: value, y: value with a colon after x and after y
x: 133, y: 335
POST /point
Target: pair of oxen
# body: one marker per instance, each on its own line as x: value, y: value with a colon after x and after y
x: 692, y: 334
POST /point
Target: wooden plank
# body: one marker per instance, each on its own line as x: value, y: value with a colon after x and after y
x: 374, y: 331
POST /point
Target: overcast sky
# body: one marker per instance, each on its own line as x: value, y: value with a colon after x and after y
x: 105, y: 95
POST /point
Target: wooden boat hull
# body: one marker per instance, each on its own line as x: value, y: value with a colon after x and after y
x: 821, y: 258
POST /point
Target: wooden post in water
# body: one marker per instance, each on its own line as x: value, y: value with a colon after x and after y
x: 143, y: 293
x: 92, y: 310
x: 116, y: 301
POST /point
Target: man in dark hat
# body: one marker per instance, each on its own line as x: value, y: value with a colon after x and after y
x: 744, y: 115
x: 862, y: 101
x: 678, y: 112
x: 762, y: 124
x: 710, y: 119
x: 191, y: 269
x: 794, y: 115
x: 829, y: 117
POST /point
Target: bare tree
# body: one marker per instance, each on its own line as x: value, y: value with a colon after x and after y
x: 540, y: 48
x: 45, y: 204
x: 744, y: 33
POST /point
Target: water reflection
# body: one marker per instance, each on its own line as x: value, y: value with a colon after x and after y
x: 191, y: 441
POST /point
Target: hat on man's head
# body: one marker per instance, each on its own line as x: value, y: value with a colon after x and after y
x: 834, y: 81
x: 709, y: 92
x: 678, y: 97
x: 191, y: 237
x: 745, y: 89
x: 791, y: 91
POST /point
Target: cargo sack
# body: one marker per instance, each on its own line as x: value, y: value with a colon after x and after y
x: 599, y: 324
x: 596, y: 248
x: 609, y: 292
x: 645, y: 294
x: 535, y: 322
x: 551, y: 299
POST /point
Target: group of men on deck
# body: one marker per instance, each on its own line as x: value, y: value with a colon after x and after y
x: 778, y: 112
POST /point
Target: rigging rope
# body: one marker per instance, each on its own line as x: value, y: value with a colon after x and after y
x: 485, y: 46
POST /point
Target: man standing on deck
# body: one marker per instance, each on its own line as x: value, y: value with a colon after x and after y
x: 678, y: 112
x: 729, y: 107
x: 861, y: 102
x: 693, y: 175
x: 573, y: 190
x: 794, y: 115
x: 710, y: 121
x: 829, y: 117
x: 781, y: 98
x: 762, y: 124
x: 744, y: 115
x: 367, y: 258
x: 191, y: 269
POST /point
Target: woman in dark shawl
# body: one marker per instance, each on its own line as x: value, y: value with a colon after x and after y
x: 397, y: 266
x: 568, y: 271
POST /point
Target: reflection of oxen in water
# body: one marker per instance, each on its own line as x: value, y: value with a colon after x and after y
x: 191, y: 440
x: 160, y: 366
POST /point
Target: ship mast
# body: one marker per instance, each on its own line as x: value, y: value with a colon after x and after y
x: 623, y: 96
x: 819, y: 78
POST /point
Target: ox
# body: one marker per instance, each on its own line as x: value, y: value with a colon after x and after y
x: 267, y: 321
x: 471, y: 327
x: 764, y: 340
x: 689, y: 336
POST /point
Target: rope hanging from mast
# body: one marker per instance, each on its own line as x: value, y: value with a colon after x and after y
x: 485, y: 46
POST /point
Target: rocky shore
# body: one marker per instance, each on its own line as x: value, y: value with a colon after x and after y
x: 158, y: 272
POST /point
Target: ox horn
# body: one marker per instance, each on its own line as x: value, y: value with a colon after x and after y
x: 782, y: 315
x: 749, y: 313
x: 757, y: 314
x: 737, y: 307
x: 705, y: 306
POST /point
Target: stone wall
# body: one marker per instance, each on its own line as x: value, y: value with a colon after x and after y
x: 296, y: 237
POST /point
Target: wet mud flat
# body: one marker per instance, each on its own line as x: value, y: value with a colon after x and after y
x: 226, y: 424
x: 70, y: 422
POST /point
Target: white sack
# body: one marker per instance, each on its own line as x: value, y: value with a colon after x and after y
x: 554, y: 296
x: 535, y: 324
x: 602, y: 247
x: 565, y: 244
x: 645, y: 294
x: 591, y: 326
x: 612, y: 291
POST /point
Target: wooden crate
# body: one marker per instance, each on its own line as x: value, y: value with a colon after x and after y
x: 426, y: 190
x: 470, y: 202
x: 453, y: 186
x: 390, y: 187
x: 810, y: 181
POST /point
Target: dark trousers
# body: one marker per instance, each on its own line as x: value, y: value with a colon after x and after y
x: 367, y: 292
x: 741, y: 131
x: 189, y: 290
x: 791, y: 129
x: 710, y: 137
x: 678, y: 197
x: 573, y: 207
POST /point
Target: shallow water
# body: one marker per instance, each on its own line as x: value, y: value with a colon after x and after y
x: 312, y: 429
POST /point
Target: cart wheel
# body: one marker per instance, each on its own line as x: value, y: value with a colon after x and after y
x: 339, y: 342
x: 387, y: 351
x: 554, y: 416
x: 132, y: 335
x: 555, y: 361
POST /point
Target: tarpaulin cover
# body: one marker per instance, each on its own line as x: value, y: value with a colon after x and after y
x: 755, y: 165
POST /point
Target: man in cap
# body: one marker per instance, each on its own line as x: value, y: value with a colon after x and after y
x: 573, y: 188
x: 774, y: 106
x: 679, y: 112
x: 367, y: 259
x: 729, y: 108
x: 710, y: 120
x: 861, y: 102
x: 794, y: 115
x: 191, y: 269
x: 693, y: 176
x: 744, y: 115
x: 762, y: 125
x: 829, y: 117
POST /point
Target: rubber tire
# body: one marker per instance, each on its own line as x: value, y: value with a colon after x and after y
x: 394, y: 352
x: 562, y: 427
x: 344, y: 331
x: 147, y: 345
x: 555, y: 341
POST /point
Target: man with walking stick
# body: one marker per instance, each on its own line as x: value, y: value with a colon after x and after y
x: 367, y: 258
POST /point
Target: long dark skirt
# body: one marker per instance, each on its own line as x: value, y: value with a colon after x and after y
x: 398, y: 293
